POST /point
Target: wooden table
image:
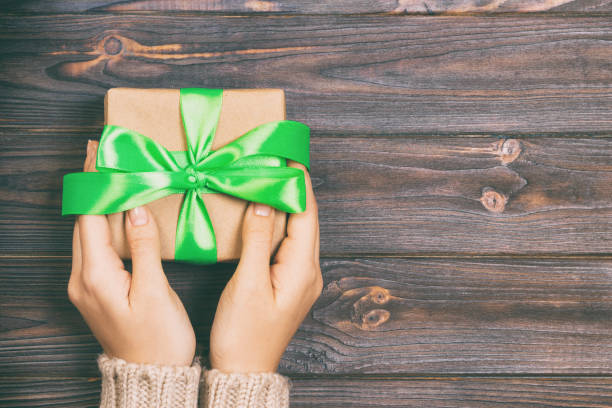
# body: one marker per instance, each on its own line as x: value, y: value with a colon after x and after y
x: 462, y: 161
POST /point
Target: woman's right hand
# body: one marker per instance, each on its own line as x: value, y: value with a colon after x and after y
x: 263, y: 305
x: 135, y: 316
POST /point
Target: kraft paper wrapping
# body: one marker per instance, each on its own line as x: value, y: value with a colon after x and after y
x: 155, y: 113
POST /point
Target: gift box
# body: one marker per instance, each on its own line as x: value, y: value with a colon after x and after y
x: 239, y: 142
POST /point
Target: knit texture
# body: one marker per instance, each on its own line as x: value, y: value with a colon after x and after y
x: 131, y: 385
x: 253, y: 390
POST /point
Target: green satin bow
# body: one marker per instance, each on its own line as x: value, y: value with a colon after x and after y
x: 134, y: 170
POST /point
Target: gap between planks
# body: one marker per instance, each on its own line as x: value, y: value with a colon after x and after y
x: 543, y: 256
x: 280, y: 14
x: 374, y: 377
x: 97, y: 130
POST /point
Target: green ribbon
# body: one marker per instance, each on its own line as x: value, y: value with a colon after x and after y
x: 134, y: 170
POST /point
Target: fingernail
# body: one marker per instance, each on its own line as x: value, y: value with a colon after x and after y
x: 262, y: 209
x: 89, y: 147
x: 138, y: 216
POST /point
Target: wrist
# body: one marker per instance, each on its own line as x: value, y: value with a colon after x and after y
x: 244, y: 368
x: 246, y: 362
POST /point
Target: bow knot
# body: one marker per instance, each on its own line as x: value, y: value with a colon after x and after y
x: 195, y: 177
x: 134, y: 170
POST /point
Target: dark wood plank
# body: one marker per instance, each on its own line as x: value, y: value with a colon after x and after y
x: 343, y: 74
x: 452, y: 392
x: 41, y: 332
x: 388, y: 315
x: 310, y: 6
x: 416, y: 196
x: 50, y: 392
x: 325, y: 391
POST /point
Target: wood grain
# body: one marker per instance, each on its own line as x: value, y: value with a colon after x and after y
x: 376, y: 316
x: 343, y: 75
x: 411, y: 196
x: 452, y: 392
x: 311, y: 6
x: 45, y: 392
x: 435, y: 140
x: 325, y: 391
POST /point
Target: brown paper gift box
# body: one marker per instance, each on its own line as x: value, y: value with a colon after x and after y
x: 155, y: 113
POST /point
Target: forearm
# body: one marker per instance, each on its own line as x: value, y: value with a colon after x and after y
x: 129, y: 385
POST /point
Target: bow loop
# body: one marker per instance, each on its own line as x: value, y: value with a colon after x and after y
x: 126, y: 150
x: 288, y: 139
x: 200, y: 110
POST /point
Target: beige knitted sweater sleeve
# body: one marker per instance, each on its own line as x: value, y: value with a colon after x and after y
x: 130, y: 385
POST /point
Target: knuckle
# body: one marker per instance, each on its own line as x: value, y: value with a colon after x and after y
x: 249, y: 287
x: 149, y: 297
x: 313, y: 212
x: 309, y: 184
x: 74, y: 292
x: 313, y: 282
x: 143, y: 237
x: 140, y: 242
x: 315, y: 205
x: 257, y: 235
x: 316, y: 273
x: 307, y: 176
x: 91, y: 280
x: 317, y: 285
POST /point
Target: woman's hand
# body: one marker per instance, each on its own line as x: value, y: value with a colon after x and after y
x: 137, y: 316
x: 263, y: 305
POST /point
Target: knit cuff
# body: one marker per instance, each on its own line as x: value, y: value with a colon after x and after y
x: 131, y: 385
x: 253, y: 390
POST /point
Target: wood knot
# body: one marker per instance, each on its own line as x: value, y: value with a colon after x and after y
x: 365, y: 314
x: 379, y: 295
x: 492, y: 200
x: 510, y: 150
x: 113, y: 46
x: 374, y: 318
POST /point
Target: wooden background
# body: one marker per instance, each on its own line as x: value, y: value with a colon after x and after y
x: 462, y: 161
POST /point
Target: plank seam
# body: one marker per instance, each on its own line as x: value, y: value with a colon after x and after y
x: 548, y: 256
x: 196, y: 13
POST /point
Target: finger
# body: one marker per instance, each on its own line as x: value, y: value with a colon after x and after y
x: 100, y: 264
x: 257, y: 232
x: 90, y: 159
x: 75, y: 281
x: 77, y: 261
x: 316, y: 254
x: 319, y: 276
x: 302, y: 227
x: 94, y: 230
x: 143, y: 240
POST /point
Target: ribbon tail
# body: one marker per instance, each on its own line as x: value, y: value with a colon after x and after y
x: 200, y: 110
x: 106, y: 193
x: 195, y: 236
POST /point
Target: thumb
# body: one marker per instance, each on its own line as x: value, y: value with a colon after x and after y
x: 257, y: 232
x: 143, y: 240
